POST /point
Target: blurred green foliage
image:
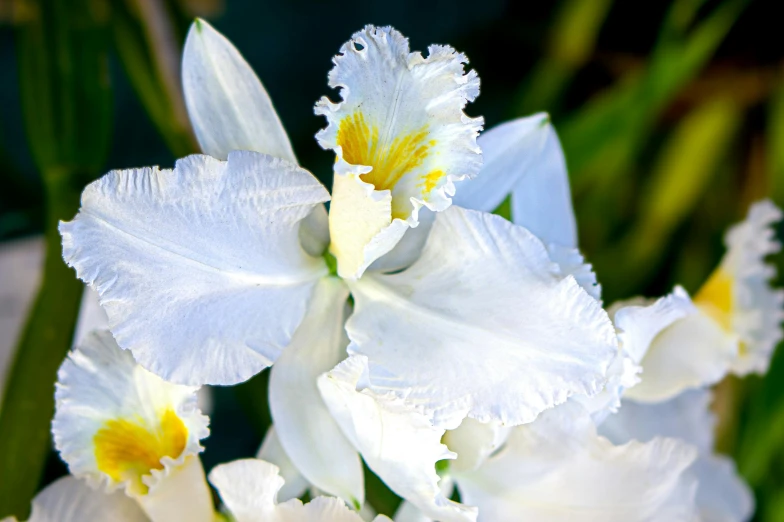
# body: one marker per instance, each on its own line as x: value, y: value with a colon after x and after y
x: 671, y: 121
x: 65, y: 94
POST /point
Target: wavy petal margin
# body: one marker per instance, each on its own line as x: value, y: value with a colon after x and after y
x: 401, y: 137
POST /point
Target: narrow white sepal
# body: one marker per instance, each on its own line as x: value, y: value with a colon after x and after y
x: 227, y: 104
x: 305, y: 428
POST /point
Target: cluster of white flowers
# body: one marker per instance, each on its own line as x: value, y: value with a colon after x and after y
x: 466, y: 359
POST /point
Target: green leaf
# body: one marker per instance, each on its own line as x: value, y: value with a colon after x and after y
x: 571, y: 43
x: 681, y: 175
x: 66, y: 102
x: 603, y: 139
x: 148, y: 43
x: 64, y: 84
x: 28, y: 401
x: 775, y: 138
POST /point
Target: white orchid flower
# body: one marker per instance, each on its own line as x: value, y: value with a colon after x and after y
x: 209, y: 271
x: 120, y: 427
x: 722, y: 496
x: 732, y: 324
x: 557, y: 469
x: 401, y: 139
x: 249, y: 489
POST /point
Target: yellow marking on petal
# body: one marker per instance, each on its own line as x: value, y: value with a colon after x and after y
x: 127, y: 449
x: 715, y: 298
x: 431, y: 179
x: 391, y: 160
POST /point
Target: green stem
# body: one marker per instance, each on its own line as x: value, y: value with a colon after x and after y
x: 28, y: 404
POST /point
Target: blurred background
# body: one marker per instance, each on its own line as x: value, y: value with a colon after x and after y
x: 671, y: 115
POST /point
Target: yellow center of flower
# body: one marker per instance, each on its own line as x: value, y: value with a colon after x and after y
x: 391, y: 158
x: 715, y: 298
x: 127, y: 449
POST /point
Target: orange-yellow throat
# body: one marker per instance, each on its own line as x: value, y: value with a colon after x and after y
x: 127, y: 449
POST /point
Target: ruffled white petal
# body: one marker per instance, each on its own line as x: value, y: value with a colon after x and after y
x: 397, y: 443
x: 572, y: 263
x: 722, y: 496
x: 756, y: 310
x: 690, y: 353
x: 271, y: 450
x: 200, y: 268
x: 474, y: 442
x: 108, y: 408
x: 71, y: 500
x: 306, y: 430
x: 482, y: 325
x: 558, y: 469
x: 249, y: 488
x: 401, y: 140
x: 227, y: 104
x: 639, y: 321
x: 622, y: 374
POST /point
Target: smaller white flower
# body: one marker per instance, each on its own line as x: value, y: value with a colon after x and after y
x: 732, y: 324
x: 401, y: 139
x: 69, y: 499
x: 121, y: 427
x: 722, y: 496
x: 738, y: 295
x: 249, y: 489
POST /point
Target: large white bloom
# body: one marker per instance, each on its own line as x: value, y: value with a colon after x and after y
x: 121, y: 427
x: 722, y: 496
x: 208, y: 271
